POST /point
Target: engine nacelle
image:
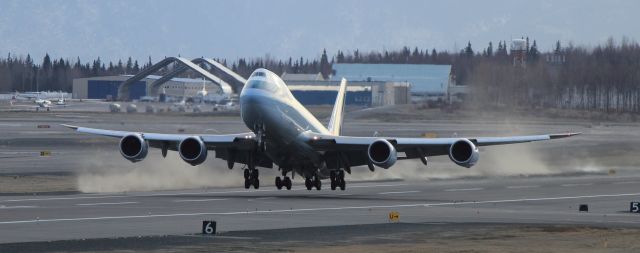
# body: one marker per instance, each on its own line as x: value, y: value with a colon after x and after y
x: 193, y: 150
x: 382, y: 153
x: 133, y: 147
x: 464, y: 153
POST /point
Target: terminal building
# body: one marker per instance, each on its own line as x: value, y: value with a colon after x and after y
x: 426, y: 81
x: 313, y: 89
x: 106, y: 87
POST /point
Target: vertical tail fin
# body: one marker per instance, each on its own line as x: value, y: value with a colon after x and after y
x: 335, y: 123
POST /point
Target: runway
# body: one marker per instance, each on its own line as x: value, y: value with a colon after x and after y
x: 551, y: 200
x: 41, y: 197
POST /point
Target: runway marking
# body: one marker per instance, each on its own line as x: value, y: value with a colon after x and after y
x: 522, y: 186
x: 65, y: 198
x: 466, y: 189
x: 575, y: 185
x: 16, y: 207
x: 323, y: 209
x: 180, y: 194
x: 101, y: 204
x: 376, y: 185
x: 262, y: 198
x: 384, y: 193
x: 626, y: 182
x: 197, y: 200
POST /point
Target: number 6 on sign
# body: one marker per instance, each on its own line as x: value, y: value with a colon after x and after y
x: 209, y: 227
x: 635, y: 207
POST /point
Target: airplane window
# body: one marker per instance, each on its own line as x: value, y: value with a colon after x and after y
x: 258, y: 74
x: 257, y: 84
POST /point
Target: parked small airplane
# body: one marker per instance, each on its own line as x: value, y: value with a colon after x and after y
x: 285, y: 134
x: 61, y: 100
x: 43, y: 103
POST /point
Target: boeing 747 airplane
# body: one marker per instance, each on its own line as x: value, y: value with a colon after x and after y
x: 285, y: 134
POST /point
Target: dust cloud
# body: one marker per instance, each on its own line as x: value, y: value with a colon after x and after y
x: 524, y: 159
x: 111, y: 173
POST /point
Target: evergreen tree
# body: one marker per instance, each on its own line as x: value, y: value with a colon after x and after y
x: 325, y: 66
x: 468, y: 51
x: 129, y: 67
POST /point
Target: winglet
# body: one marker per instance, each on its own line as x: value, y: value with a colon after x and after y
x: 335, y: 123
x: 70, y: 126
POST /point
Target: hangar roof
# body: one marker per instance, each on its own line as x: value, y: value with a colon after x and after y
x: 427, y: 78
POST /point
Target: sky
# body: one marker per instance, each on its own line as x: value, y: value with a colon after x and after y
x: 115, y: 29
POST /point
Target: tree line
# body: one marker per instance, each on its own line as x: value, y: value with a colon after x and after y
x: 605, y: 77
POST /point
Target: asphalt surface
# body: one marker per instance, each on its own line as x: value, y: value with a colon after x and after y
x: 525, y: 183
x: 507, y: 200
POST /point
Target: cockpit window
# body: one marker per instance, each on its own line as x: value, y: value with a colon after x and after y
x: 258, y: 84
x: 259, y: 74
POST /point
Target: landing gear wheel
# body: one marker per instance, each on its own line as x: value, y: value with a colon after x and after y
x: 340, y: 180
x: 308, y: 184
x: 279, y: 183
x: 317, y: 183
x: 247, y: 183
x: 333, y: 177
x: 256, y: 183
x: 287, y: 183
x: 247, y: 174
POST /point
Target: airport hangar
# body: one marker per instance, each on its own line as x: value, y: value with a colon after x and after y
x: 106, y: 87
x: 369, y: 85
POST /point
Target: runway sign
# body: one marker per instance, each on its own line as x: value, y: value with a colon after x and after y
x: 209, y: 227
x: 44, y: 126
x: 583, y: 208
x: 394, y: 216
x: 45, y: 153
x: 634, y: 207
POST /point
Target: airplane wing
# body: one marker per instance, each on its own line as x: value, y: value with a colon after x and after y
x: 355, y: 148
x: 238, y: 146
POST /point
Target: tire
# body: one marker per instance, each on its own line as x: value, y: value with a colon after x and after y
x: 307, y: 183
x: 279, y: 183
x: 318, y: 184
x: 333, y: 185
x: 255, y: 174
x: 256, y: 184
x: 287, y: 183
x: 247, y: 183
x: 246, y: 174
x: 343, y: 185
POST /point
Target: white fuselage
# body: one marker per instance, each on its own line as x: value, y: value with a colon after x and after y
x: 268, y: 108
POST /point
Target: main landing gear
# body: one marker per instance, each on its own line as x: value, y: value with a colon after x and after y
x: 337, y: 179
x: 251, y: 178
x: 311, y: 182
x: 283, y: 182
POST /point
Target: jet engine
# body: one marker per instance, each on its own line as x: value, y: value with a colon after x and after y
x: 133, y: 147
x: 193, y: 150
x: 464, y: 153
x: 382, y: 153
